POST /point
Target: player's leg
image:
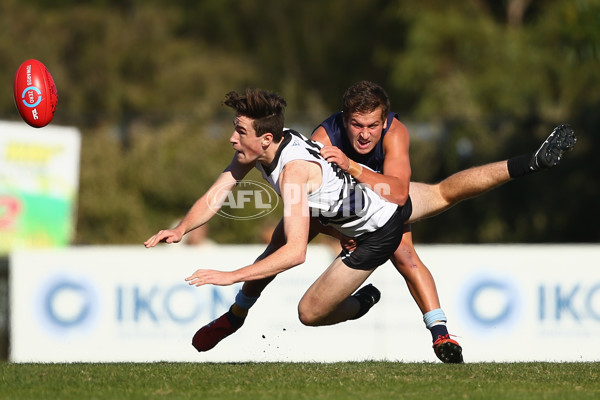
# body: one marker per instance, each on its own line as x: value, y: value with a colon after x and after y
x: 418, y: 278
x: 212, y: 333
x: 252, y: 290
x: 429, y: 200
x: 328, y: 301
x: 422, y: 287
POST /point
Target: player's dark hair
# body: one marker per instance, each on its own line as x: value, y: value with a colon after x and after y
x: 267, y: 109
x: 365, y: 97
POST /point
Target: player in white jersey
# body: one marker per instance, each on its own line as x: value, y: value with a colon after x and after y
x: 306, y: 186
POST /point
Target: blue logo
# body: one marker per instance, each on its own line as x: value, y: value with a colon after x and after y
x: 491, y: 303
x: 68, y: 304
x: 32, y: 102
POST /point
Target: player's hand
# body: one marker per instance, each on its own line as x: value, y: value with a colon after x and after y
x: 166, y: 236
x: 347, y: 243
x: 336, y: 156
x: 210, y: 277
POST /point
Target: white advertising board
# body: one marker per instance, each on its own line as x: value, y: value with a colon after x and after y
x: 111, y: 304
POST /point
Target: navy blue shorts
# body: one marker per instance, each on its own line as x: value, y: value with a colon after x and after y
x: 375, y: 248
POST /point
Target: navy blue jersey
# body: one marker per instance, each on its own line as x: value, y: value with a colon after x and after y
x: 334, y: 126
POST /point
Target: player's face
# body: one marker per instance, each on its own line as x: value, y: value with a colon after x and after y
x: 247, y: 145
x: 364, y: 130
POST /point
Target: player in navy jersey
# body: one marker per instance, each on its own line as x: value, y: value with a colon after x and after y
x: 427, y: 200
x: 368, y: 133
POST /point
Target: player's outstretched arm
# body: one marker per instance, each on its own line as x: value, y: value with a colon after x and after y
x: 205, y: 207
x: 295, y: 183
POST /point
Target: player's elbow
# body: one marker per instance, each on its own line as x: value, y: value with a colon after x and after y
x: 399, y: 198
x: 298, y: 257
x: 397, y: 194
x: 295, y: 255
x: 396, y: 197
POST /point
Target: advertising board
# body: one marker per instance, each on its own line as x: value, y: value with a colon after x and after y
x: 109, y: 304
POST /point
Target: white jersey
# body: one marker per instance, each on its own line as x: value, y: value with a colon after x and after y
x: 350, y: 207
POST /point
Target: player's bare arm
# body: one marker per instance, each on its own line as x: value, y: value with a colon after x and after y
x: 296, y: 180
x: 396, y: 165
x: 320, y: 135
x: 393, y: 184
x: 205, y: 207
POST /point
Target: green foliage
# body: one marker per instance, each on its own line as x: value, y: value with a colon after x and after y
x: 474, y: 81
x: 364, y: 380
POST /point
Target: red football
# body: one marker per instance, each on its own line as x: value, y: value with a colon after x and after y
x: 35, y: 93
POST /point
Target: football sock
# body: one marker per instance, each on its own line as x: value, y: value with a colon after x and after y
x: 245, y: 301
x: 365, y: 305
x: 438, y: 330
x: 235, y: 320
x: 242, y: 304
x: 367, y: 297
x: 519, y: 166
x: 238, y: 311
x: 435, y: 321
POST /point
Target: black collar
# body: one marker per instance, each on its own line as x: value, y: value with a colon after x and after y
x: 287, y: 138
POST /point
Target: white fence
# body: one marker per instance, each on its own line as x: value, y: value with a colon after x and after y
x: 108, y: 304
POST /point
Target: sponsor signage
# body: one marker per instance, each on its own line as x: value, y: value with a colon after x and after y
x: 105, y: 304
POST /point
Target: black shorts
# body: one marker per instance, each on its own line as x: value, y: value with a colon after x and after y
x: 375, y: 248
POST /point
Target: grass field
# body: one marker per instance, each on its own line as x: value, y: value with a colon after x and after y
x: 359, y: 380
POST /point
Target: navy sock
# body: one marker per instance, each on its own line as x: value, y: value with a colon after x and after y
x: 438, y: 330
x: 519, y: 166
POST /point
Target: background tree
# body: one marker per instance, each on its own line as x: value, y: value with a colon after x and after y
x: 474, y: 81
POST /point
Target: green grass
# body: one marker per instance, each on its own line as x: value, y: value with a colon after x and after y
x: 361, y: 380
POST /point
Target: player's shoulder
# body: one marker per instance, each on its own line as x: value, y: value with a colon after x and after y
x: 396, y: 138
x: 396, y: 131
x: 397, y: 127
x: 320, y: 135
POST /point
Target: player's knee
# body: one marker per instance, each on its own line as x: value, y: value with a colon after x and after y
x: 406, y: 247
x: 307, y: 315
x: 404, y: 258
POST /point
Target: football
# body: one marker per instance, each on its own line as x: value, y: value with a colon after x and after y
x: 35, y: 93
